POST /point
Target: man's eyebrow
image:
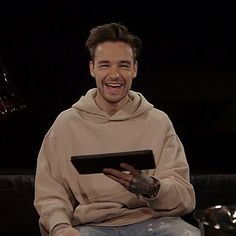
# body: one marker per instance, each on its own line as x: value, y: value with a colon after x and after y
x: 103, y: 62
x: 124, y: 62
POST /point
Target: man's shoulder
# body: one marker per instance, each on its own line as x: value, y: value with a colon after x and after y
x: 156, y: 113
x: 66, y: 115
x: 159, y: 118
x: 64, y: 121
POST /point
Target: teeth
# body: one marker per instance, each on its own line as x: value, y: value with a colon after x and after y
x: 114, y: 85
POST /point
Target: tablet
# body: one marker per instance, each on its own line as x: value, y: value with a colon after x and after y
x: 95, y: 163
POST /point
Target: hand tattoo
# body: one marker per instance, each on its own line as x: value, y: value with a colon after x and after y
x: 140, y: 184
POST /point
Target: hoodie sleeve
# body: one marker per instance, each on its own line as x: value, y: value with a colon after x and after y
x: 52, y: 200
x: 176, y: 195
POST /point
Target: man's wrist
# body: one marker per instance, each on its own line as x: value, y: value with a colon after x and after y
x: 154, y: 189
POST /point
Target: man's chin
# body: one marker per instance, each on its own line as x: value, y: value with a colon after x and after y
x: 114, y: 99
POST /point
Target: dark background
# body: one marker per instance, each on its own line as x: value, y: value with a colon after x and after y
x: 186, y: 68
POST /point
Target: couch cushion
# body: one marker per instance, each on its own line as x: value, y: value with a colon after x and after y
x: 17, y: 215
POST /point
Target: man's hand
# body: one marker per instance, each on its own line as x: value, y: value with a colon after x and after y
x: 134, y: 181
x: 65, y: 230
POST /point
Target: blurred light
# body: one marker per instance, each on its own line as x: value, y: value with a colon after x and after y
x: 10, y: 100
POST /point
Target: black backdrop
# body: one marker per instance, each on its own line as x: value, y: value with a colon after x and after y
x: 186, y: 68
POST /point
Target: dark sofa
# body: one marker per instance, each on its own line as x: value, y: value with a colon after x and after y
x: 18, y: 216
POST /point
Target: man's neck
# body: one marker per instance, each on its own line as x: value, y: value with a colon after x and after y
x: 111, y: 108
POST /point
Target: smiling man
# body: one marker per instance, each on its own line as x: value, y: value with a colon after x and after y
x: 113, y: 118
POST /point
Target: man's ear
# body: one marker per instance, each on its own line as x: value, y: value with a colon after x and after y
x: 135, y: 68
x: 91, y: 68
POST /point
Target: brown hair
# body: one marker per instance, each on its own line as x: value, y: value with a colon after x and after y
x: 113, y: 32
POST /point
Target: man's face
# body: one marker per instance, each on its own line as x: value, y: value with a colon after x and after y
x: 113, y: 69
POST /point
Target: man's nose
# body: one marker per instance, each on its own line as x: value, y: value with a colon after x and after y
x: 115, y: 75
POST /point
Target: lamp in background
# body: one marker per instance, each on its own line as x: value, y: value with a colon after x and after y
x: 10, y: 100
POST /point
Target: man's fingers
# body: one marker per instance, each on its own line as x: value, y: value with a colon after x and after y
x: 123, y: 182
x: 130, y: 168
x: 117, y: 174
x: 121, y: 177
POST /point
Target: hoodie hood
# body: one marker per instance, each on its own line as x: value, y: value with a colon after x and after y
x: 88, y: 108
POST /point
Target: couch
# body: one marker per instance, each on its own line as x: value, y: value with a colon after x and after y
x: 18, y: 216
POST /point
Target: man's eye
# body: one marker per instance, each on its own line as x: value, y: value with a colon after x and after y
x: 103, y: 65
x: 125, y: 66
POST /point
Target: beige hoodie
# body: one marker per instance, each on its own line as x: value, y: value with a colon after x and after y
x: 62, y: 195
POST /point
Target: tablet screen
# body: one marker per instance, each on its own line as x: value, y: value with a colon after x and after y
x: 95, y: 163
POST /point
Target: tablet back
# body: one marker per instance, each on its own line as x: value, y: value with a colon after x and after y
x: 95, y: 163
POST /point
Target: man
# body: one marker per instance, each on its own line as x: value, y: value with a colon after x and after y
x: 113, y: 118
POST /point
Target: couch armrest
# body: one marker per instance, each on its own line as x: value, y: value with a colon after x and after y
x: 214, y: 189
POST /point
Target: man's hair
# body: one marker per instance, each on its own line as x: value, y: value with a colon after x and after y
x: 113, y: 32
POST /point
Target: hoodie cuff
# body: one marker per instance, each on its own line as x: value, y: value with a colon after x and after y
x: 58, y: 217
